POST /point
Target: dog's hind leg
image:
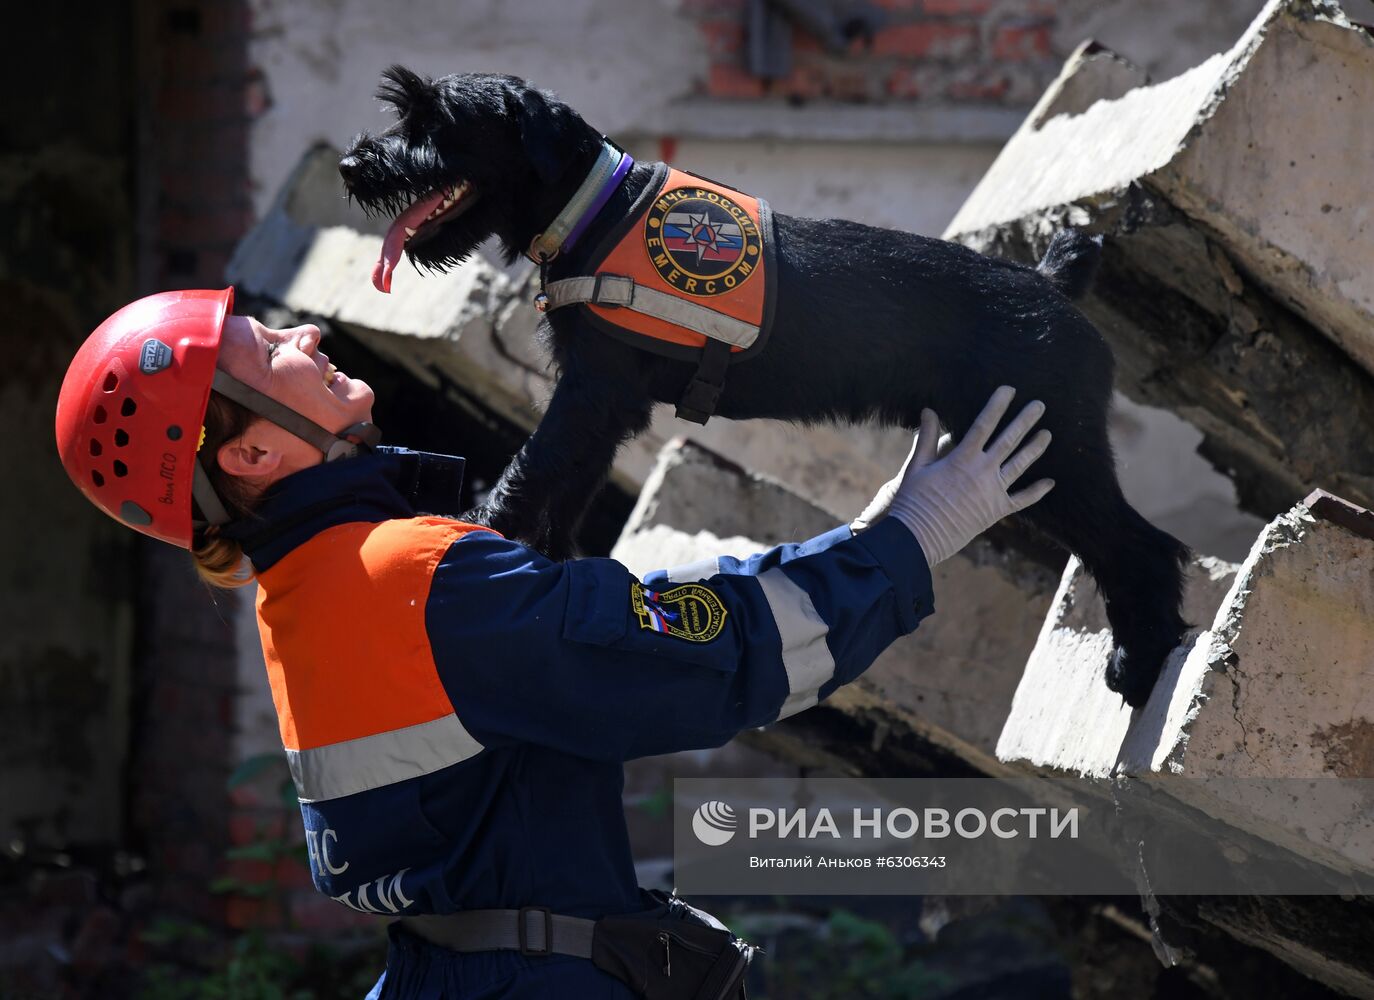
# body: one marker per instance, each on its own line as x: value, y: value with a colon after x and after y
x: 543, y: 493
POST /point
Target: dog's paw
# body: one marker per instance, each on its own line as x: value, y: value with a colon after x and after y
x: 1129, y: 679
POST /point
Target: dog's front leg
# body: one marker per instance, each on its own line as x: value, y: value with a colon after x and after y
x: 541, y: 496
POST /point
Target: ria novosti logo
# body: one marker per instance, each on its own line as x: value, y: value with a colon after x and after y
x: 714, y: 823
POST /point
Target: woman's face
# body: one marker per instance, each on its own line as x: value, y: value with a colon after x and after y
x: 289, y: 366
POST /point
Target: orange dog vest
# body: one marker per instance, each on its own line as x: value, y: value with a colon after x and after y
x: 689, y: 276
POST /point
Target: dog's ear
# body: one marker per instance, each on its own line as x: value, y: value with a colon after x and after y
x: 404, y: 90
x: 545, y: 128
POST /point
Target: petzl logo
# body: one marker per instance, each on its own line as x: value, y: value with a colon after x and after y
x: 714, y: 823
x: 154, y: 357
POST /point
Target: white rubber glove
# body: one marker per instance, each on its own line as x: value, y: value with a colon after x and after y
x: 882, y: 500
x: 948, y: 501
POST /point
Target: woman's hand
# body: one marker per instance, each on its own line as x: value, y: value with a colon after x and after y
x: 948, y: 499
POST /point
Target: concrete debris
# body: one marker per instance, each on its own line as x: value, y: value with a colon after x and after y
x: 1255, y: 151
x: 1277, y: 686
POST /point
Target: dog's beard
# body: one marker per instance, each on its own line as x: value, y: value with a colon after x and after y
x: 419, y: 223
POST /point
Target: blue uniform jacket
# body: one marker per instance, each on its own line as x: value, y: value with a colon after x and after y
x: 456, y: 708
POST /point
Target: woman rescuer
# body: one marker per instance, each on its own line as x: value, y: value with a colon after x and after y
x: 455, y: 708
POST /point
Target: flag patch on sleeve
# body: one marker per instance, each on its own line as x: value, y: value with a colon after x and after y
x: 691, y: 611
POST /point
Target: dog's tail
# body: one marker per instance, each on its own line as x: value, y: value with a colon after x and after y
x: 1071, y: 260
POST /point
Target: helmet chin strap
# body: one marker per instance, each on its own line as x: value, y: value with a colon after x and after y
x: 347, y: 443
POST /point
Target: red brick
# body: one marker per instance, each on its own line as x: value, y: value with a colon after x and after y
x: 190, y: 228
x: 723, y: 37
x: 314, y: 911
x: 201, y: 142
x: 290, y: 873
x: 213, y: 264
x: 203, y: 184
x: 191, y: 62
x: 979, y: 87
x: 257, y: 99
x: 248, y: 871
x: 902, y: 84
x: 957, y: 8
x: 1015, y: 43
x: 926, y: 40
x: 853, y: 85
x: 221, y: 21
x: 729, y: 80
x: 807, y: 82
x: 805, y: 43
x: 243, y: 828
x: 213, y: 102
x: 244, y: 913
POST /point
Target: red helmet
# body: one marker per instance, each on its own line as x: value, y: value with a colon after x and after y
x: 130, y: 412
x: 132, y: 407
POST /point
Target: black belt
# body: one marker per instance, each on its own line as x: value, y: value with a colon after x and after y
x: 530, y: 930
x: 672, y: 952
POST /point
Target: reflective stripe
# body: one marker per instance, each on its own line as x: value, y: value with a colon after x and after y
x: 805, y: 654
x: 625, y: 293
x: 339, y: 769
x: 694, y: 572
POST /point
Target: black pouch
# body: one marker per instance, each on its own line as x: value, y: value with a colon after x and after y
x: 672, y: 952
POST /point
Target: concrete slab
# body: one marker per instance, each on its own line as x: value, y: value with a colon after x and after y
x: 1234, y: 143
x: 1236, y: 221
x: 1277, y: 686
x: 951, y: 681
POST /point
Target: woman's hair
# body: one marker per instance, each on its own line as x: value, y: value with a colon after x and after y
x: 220, y: 561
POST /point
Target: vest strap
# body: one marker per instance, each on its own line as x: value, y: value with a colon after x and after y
x: 698, y: 402
x: 616, y: 290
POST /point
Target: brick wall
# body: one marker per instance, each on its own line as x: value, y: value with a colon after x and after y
x: 197, y: 95
x: 930, y: 51
x: 200, y: 95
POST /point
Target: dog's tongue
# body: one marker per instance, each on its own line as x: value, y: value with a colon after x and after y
x: 393, y: 244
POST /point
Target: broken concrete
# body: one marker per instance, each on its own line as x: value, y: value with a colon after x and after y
x: 1276, y: 687
x: 951, y: 681
x: 1249, y: 723
x: 1237, y: 230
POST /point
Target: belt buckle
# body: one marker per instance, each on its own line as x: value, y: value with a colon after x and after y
x: 523, y: 938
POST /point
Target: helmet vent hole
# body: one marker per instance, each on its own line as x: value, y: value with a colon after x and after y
x: 97, y: 478
x: 111, y: 382
x: 121, y: 438
x: 99, y: 415
x: 95, y: 448
x: 120, y: 469
x: 127, y: 408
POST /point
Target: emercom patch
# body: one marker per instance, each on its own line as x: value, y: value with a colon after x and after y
x: 691, y: 611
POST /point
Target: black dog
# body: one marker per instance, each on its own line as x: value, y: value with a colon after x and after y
x: 869, y: 324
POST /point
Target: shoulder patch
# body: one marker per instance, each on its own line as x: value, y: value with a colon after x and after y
x: 691, y: 611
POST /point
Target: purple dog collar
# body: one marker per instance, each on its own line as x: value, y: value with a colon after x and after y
x: 604, y: 195
x: 578, y: 213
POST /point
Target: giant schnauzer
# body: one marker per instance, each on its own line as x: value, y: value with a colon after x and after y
x: 868, y: 324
